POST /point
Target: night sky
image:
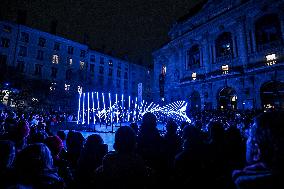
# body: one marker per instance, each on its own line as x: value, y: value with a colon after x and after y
x: 119, y: 27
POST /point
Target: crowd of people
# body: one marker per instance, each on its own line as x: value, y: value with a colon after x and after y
x: 218, y: 149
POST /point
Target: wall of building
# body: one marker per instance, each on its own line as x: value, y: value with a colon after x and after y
x: 83, y: 64
x: 247, y: 62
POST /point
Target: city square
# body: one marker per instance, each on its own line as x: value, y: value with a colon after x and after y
x: 134, y: 94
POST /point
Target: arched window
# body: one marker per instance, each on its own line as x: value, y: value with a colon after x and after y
x: 224, y: 46
x: 193, y: 57
x: 268, y: 32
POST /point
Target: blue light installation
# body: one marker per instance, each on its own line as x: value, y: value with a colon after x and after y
x: 83, y: 122
x: 93, y: 110
x: 88, y: 109
x: 79, y: 106
x: 175, y: 110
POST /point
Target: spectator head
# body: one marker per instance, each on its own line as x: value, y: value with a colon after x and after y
x: 54, y: 143
x: 134, y: 126
x: 23, y: 129
x: 171, y: 126
x: 61, y: 135
x: 216, y: 131
x: 265, y: 141
x: 93, y: 141
x: 7, y: 154
x: 34, y: 159
x: 149, y: 121
x: 125, y: 140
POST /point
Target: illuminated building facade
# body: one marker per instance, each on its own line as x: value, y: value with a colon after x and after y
x: 224, y: 55
x: 62, y: 65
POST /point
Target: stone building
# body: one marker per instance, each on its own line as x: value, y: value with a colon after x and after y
x: 60, y: 66
x: 225, y: 54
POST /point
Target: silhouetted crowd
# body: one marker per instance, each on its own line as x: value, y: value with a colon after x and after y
x: 218, y: 149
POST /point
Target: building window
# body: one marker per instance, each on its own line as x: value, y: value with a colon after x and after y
x: 118, y: 73
x: 110, y: 63
x: 5, y: 42
x: 39, y: 55
x: 53, y: 86
x: 110, y: 72
x: 7, y: 28
x: 82, y: 53
x: 82, y: 65
x: 56, y: 46
x: 93, y: 58
x: 70, y: 50
x: 21, y: 66
x: 101, y: 81
x: 101, y: 70
x: 25, y: 37
x: 125, y: 85
x: 23, y: 51
x: 66, y: 87
x: 118, y: 83
x: 41, y: 42
x: 92, y: 68
x: 38, y: 69
x: 55, y: 59
x: 224, y: 46
x: 268, y: 32
x: 68, y: 74
x: 69, y: 61
x: 53, y: 72
x: 125, y: 75
x: 102, y: 60
x: 193, y: 57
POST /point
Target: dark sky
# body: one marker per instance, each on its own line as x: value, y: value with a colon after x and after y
x: 132, y: 27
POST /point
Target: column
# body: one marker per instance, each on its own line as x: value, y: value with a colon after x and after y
x: 242, y: 40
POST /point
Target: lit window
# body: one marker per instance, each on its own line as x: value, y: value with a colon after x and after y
x: 80, y: 89
x: 225, y: 69
x: 164, y: 70
x: 52, y: 87
x: 70, y: 61
x: 67, y: 87
x: 193, y: 75
x: 110, y: 63
x: 82, y: 65
x: 55, y: 59
x: 270, y: 59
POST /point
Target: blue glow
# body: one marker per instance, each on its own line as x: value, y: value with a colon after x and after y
x: 79, y: 108
x: 88, y: 108
x: 117, y: 112
x: 93, y: 110
x: 83, y: 122
x: 110, y: 111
